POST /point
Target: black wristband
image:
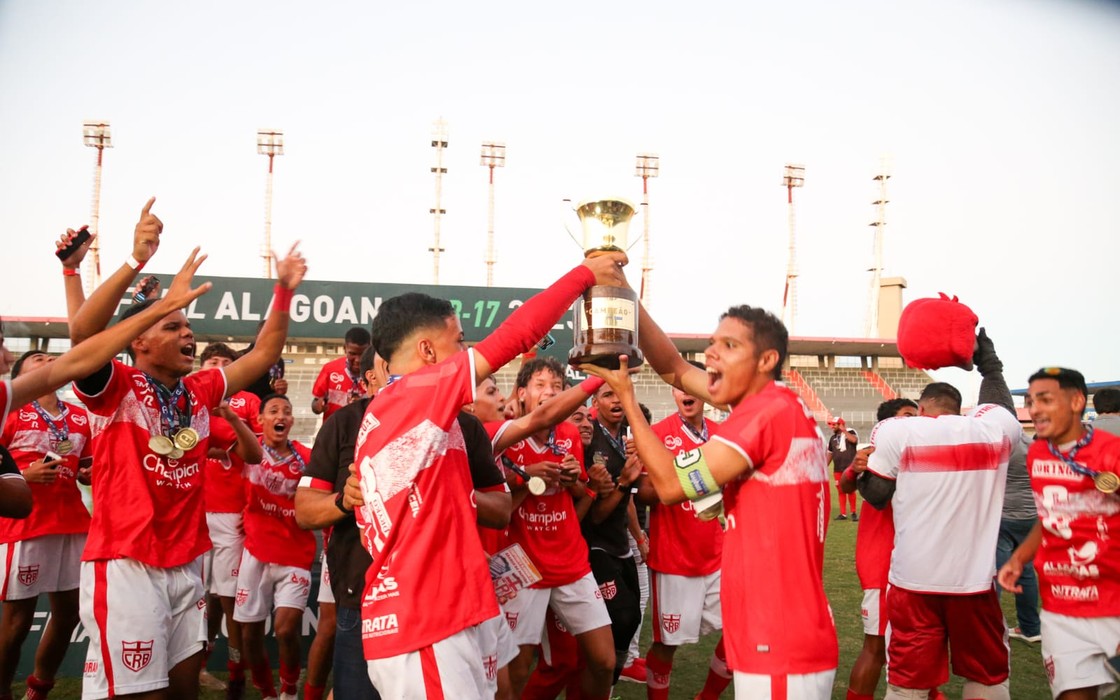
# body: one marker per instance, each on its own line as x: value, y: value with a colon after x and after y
x: 338, y: 504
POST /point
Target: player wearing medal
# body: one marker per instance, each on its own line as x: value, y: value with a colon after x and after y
x: 684, y: 560
x: 141, y: 568
x: 275, y: 569
x: 429, y: 585
x: 1074, y: 476
x: 769, y: 459
x: 339, y: 382
x: 49, y: 440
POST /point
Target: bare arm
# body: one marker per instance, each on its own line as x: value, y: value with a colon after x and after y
x: 270, y: 342
x: 494, y: 508
x: 1010, y: 572
x: 71, y: 280
x: 316, y: 509
x: 247, y: 447
x: 15, y: 498
x: 548, y: 414
x: 663, y: 357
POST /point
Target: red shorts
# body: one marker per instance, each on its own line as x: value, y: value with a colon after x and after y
x: 923, y: 626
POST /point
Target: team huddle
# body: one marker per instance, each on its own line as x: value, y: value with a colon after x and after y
x: 479, y: 545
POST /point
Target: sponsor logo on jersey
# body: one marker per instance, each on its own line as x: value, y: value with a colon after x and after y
x: 565, y: 444
x: 673, y: 442
x: 1054, y: 469
x: 1077, y: 571
x: 670, y: 623
x: 136, y: 655
x: 1075, y: 593
x: 300, y: 580
x: 28, y: 574
x: 79, y: 419
x: 543, y: 521
x: 236, y: 402
x: 511, y: 620
x: 1048, y: 664
x: 415, y: 500
x: 90, y: 668
x: 29, y: 417
x: 336, y: 377
x: 380, y: 625
x: 369, y: 422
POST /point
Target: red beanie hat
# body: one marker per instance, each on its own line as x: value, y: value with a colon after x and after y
x: 936, y: 333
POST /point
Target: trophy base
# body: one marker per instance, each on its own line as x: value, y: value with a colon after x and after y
x: 604, y: 355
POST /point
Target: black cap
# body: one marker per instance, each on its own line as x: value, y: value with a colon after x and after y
x: 1066, y: 378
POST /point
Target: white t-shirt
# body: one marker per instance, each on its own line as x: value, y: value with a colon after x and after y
x: 950, y: 474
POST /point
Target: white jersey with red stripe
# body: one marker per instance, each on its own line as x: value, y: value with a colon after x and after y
x: 59, y: 509
x: 429, y: 578
x: 271, y: 532
x: 776, y: 618
x: 949, y: 473
x: 336, y: 386
x: 679, y: 542
x: 1078, y: 562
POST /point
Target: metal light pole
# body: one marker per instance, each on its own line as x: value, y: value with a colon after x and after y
x: 439, y: 142
x: 95, y: 134
x: 794, y: 177
x: 871, y: 325
x: 270, y: 142
x: 493, y: 156
x: 648, y: 165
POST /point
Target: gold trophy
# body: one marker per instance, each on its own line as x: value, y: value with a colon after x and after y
x: 606, y: 318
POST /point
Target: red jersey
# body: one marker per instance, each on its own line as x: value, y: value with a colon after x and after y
x: 59, y: 509
x: 5, y: 401
x: 776, y: 619
x: 337, y: 386
x: 224, y: 487
x: 874, y: 544
x: 146, y: 506
x: 493, y: 539
x: 429, y: 578
x: 546, y: 526
x: 680, y: 543
x: 271, y: 532
x: 1078, y: 563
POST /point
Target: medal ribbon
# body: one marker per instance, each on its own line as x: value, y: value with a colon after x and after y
x: 551, y: 444
x: 619, y: 443
x: 702, y: 435
x: 356, y: 388
x: 279, y: 461
x: 171, y: 417
x: 58, y: 431
x: 1085, y: 440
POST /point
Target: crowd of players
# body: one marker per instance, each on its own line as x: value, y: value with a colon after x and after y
x: 430, y: 483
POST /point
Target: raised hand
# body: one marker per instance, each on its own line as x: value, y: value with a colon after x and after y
x: 290, y: 270
x: 618, y: 379
x: 179, y: 293
x: 608, y: 268
x: 74, y: 260
x: 145, y: 238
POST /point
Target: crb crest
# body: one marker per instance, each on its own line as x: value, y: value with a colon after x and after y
x: 136, y: 655
x: 609, y: 590
x: 28, y: 574
x: 670, y: 623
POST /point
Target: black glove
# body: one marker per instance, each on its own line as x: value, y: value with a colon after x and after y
x: 984, y: 356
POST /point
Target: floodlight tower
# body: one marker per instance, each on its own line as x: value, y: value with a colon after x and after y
x: 270, y: 142
x: 95, y: 134
x: 871, y: 325
x: 647, y: 165
x: 439, y: 142
x: 794, y: 177
x: 493, y: 156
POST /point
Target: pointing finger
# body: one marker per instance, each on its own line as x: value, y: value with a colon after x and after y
x: 148, y: 207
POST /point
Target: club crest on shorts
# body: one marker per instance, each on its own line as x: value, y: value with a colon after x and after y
x: 28, y: 574
x: 511, y: 620
x: 670, y: 623
x: 490, y: 664
x: 242, y: 596
x: 609, y: 590
x: 136, y: 655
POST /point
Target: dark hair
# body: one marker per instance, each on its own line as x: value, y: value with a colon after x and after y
x: 697, y: 365
x: 401, y: 316
x: 528, y: 369
x: 1066, y: 378
x: 767, y: 331
x: 944, y: 396
x: 890, y: 408
x: 217, y: 350
x: 646, y: 412
x: 356, y: 336
x: 18, y: 366
x: 365, y: 363
x: 1104, y: 401
x: 132, y: 310
x: 269, y: 397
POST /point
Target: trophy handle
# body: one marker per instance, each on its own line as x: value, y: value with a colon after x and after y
x: 568, y: 212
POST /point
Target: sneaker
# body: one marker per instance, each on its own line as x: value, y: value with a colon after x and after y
x: 1017, y: 633
x: 208, y: 681
x: 842, y: 516
x: 855, y: 517
x: 635, y: 672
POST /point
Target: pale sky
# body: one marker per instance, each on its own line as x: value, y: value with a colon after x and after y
x: 1000, y: 118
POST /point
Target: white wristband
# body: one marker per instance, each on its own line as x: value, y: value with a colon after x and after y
x: 134, y: 263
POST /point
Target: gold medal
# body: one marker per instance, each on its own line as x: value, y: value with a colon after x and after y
x: 537, y: 485
x: 1106, y: 482
x: 176, y: 453
x: 186, y: 439
x: 64, y: 447
x: 161, y: 445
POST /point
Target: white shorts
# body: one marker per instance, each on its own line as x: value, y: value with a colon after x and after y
x: 685, y: 608
x: 141, y: 621
x: 1074, y: 650
x: 578, y: 605
x: 227, y: 532
x: 46, y: 564
x: 326, y: 595
x: 802, y: 686
x: 873, y: 610
x: 262, y: 586
x: 496, y: 643
x: 450, y: 668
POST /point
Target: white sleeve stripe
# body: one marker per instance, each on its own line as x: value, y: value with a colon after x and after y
x: 737, y: 448
x: 473, y: 381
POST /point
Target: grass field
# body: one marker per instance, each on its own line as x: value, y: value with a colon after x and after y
x: 1028, y: 679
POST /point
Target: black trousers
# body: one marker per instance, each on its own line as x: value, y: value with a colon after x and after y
x: 618, y: 581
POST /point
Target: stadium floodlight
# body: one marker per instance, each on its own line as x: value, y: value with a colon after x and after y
x: 439, y: 142
x: 270, y: 142
x: 493, y: 156
x: 794, y: 176
x: 95, y: 134
x: 647, y: 165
